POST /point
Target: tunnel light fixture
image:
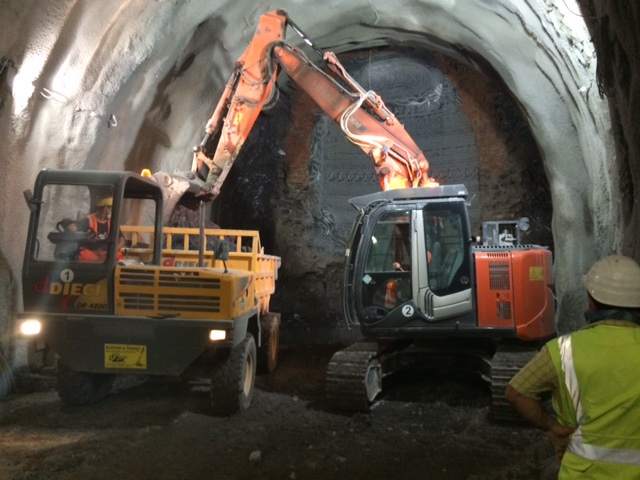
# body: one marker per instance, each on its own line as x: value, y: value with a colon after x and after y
x: 217, y: 335
x: 30, y: 327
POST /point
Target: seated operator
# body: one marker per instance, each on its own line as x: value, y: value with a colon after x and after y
x: 98, y: 224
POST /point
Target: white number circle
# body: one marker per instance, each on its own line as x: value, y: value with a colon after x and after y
x: 66, y: 275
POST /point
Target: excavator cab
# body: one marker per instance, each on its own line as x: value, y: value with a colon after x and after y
x: 409, y: 262
x: 388, y: 265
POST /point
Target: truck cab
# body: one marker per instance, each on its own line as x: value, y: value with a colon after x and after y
x: 55, y: 276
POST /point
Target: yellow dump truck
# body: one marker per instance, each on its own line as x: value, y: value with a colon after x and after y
x: 141, y: 298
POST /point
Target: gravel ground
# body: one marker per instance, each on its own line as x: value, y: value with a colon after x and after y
x: 428, y: 426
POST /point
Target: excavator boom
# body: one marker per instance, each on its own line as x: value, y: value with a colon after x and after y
x: 396, y: 158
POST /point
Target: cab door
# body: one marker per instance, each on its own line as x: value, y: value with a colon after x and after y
x: 379, y: 268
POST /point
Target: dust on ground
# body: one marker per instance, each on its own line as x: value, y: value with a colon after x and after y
x: 428, y: 426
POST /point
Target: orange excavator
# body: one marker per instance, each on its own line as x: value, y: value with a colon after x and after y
x: 414, y: 283
x: 361, y: 114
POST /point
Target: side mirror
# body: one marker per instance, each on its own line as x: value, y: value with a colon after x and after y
x: 221, y: 250
x: 523, y: 224
x: 32, y: 202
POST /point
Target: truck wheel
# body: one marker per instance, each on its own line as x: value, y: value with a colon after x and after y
x: 6, y: 377
x: 82, y: 388
x: 270, y: 341
x: 232, y: 383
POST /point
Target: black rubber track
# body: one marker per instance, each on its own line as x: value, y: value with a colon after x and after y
x: 346, y: 375
x: 506, y: 362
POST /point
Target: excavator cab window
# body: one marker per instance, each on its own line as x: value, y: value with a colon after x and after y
x: 448, y: 255
x: 387, y: 272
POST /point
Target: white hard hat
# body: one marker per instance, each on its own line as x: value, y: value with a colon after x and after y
x: 615, y: 281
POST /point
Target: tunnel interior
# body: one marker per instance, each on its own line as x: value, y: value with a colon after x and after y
x: 295, y: 174
x: 509, y: 104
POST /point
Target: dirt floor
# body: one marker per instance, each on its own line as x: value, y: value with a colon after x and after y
x: 428, y: 426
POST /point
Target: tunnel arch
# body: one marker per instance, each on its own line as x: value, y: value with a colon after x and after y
x: 528, y: 48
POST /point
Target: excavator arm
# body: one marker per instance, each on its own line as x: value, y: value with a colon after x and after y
x: 252, y: 87
x: 361, y: 114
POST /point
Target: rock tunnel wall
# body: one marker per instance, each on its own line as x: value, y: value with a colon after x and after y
x: 613, y: 28
x: 130, y: 85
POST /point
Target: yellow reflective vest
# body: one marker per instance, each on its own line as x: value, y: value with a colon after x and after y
x: 599, y: 375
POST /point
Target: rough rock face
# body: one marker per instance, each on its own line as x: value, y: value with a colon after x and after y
x: 613, y: 28
x: 113, y: 86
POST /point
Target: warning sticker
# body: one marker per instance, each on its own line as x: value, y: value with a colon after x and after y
x: 125, y: 356
x: 536, y: 274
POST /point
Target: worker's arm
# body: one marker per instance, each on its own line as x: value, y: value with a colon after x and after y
x: 534, y: 412
x: 524, y: 393
x: 531, y: 410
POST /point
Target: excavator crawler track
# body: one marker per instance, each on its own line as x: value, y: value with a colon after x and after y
x: 354, y: 378
x: 506, y: 362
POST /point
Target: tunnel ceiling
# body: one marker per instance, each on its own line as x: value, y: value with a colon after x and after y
x: 130, y: 84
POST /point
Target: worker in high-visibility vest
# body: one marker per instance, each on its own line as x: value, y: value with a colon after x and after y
x: 98, y: 224
x: 593, y: 376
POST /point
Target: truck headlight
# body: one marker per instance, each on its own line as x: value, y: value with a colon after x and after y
x: 217, y: 335
x: 30, y: 327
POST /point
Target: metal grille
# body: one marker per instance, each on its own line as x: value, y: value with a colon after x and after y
x: 503, y: 310
x: 172, y: 303
x: 137, y: 277
x: 499, y: 276
x: 175, y: 291
x: 138, y: 301
x: 184, y: 279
